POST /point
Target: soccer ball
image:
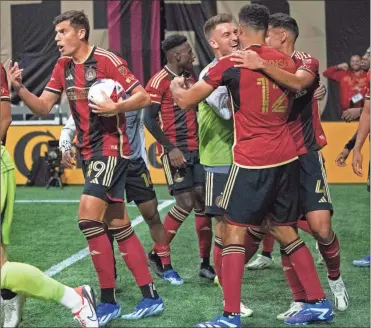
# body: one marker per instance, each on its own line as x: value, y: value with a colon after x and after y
x: 112, y: 88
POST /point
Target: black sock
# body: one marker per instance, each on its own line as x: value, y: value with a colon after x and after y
x: 205, y: 262
x: 7, y: 294
x: 302, y: 301
x: 229, y: 314
x: 107, y: 295
x: 336, y: 278
x: 267, y: 254
x: 316, y: 301
x: 168, y: 267
x: 149, y: 291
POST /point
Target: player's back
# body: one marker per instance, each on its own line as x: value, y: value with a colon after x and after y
x: 263, y: 137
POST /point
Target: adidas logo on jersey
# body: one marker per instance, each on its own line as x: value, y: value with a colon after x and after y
x: 323, y: 200
x: 69, y: 77
x: 94, y: 253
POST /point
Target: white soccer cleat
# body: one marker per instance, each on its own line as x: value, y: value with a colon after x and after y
x: 261, y: 262
x: 86, y: 316
x: 295, y: 308
x: 245, y: 311
x: 341, y: 298
x: 13, y: 310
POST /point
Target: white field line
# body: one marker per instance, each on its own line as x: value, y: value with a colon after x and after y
x: 52, y: 271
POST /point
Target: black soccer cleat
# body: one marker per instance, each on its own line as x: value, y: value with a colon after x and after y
x: 207, y: 272
x: 154, y: 262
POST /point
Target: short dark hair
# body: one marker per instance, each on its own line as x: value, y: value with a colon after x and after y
x: 254, y: 15
x: 77, y: 19
x: 173, y: 41
x: 214, y: 21
x: 281, y: 20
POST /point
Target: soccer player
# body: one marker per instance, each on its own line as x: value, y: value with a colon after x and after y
x: 138, y: 186
x: 216, y: 133
x: 306, y: 129
x: 177, y: 144
x: 105, y: 150
x: 262, y: 182
x: 363, y: 132
x: 18, y: 279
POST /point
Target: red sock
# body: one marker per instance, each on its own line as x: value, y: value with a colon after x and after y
x: 101, y: 252
x: 302, y: 261
x: 331, y: 255
x: 298, y: 292
x: 163, y: 251
x: 204, y: 234
x: 133, y: 254
x: 173, y: 221
x: 253, y: 239
x: 268, y: 243
x: 232, y: 272
x: 303, y: 225
x: 217, y: 257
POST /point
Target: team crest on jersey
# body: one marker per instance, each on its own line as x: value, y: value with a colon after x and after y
x: 90, y: 74
x: 123, y: 70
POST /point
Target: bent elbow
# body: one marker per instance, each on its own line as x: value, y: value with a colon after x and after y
x: 146, y: 100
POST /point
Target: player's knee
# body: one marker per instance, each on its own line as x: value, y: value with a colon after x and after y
x: 91, y: 228
x: 185, y: 203
x: 152, y: 217
x: 323, y: 235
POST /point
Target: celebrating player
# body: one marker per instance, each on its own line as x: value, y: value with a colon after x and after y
x: 262, y: 182
x: 104, y: 148
x: 306, y: 129
x: 18, y: 279
x: 176, y: 133
x: 216, y: 133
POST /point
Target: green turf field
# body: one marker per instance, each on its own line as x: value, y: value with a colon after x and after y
x: 45, y: 234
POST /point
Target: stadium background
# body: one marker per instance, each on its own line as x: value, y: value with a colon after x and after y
x: 329, y: 30
x: 45, y: 233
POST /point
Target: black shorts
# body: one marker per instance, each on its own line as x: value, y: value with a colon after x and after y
x: 314, y: 191
x: 105, y: 178
x: 251, y: 195
x: 215, y: 183
x: 184, y: 179
x: 139, y: 186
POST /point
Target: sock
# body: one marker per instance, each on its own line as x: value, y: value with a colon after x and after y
x: 205, y: 262
x: 217, y: 256
x: 303, y: 225
x: 268, y: 244
x: 133, y: 254
x: 7, y: 294
x: 163, y: 251
x: 297, y: 290
x: 149, y: 291
x: 331, y: 254
x: 303, y: 264
x: 111, y: 240
x: 252, y: 242
x: 71, y: 299
x: 101, y: 252
x: 204, y: 234
x: 232, y: 272
x: 173, y: 221
x: 29, y: 280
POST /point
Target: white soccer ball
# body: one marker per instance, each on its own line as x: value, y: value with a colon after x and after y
x: 113, y: 89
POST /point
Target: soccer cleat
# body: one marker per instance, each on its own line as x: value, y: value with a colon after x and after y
x: 173, y: 277
x: 13, y: 310
x: 261, y: 262
x: 216, y: 281
x: 154, y: 262
x: 107, y: 312
x: 311, y: 313
x: 86, y: 316
x: 221, y: 322
x: 147, y: 307
x: 295, y: 308
x: 245, y: 311
x: 339, y: 291
x: 207, y: 272
x: 365, y: 262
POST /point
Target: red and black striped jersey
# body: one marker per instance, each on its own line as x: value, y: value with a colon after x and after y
x: 96, y: 135
x: 4, y: 85
x: 179, y: 126
x: 260, y: 110
x: 304, y: 118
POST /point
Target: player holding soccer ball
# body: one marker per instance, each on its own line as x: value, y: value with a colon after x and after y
x: 104, y: 148
x: 19, y: 279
